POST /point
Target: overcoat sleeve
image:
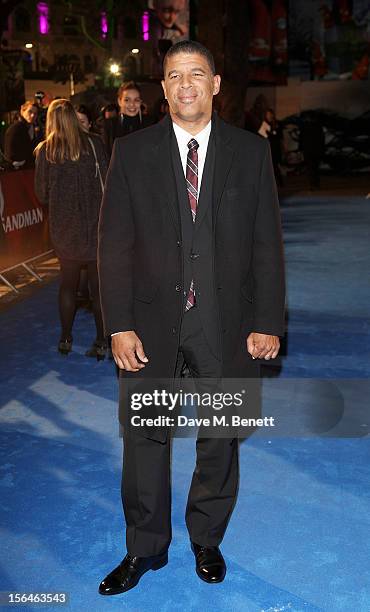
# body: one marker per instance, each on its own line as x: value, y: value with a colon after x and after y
x: 268, y: 257
x: 13, y: 149
x: 115, y: 249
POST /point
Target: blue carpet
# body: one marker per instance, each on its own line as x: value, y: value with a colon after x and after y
x: 298, y: 539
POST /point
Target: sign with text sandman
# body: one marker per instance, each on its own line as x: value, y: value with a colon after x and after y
x: 23, y: 219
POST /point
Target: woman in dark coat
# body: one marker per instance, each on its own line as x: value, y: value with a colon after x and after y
x: 71, y: 166
x: 130, y: 117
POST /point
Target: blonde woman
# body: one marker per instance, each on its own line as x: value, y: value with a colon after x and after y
x: 71, y: 166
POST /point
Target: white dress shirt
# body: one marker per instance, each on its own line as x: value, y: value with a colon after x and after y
x: 202, y: 138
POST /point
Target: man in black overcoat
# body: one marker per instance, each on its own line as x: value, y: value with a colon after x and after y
x: 192, y: 274
x: 22, y: 137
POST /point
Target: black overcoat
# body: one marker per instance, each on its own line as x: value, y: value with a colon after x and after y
x: 18, y: 145
x: 72, y: 193
x: 140, y: 252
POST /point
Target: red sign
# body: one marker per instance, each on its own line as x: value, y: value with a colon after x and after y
x: 23, y: 218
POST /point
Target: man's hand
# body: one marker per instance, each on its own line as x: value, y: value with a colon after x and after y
x: 127, y: 349
x: 263, y: 346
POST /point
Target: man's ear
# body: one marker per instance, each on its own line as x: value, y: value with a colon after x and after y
x: 216, y: 84
x: 164, y: 89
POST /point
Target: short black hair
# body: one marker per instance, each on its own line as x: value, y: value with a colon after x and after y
x: 190, y: 46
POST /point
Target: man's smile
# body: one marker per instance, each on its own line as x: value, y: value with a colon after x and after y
x: 187, y: 99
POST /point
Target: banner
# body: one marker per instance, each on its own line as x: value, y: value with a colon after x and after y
x: 168, y: 24
x: 25, y: 230
x: 268, y: 42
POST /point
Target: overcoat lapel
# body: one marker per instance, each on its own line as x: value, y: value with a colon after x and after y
x: 163, y: 178
x: 224, y: 158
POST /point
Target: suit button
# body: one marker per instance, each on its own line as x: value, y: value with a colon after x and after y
x: 178, y: 287
x: 194, y: 256
x: 174, y: 330
x: 178, y: 243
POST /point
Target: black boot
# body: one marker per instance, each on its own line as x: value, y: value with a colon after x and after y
x: 98, y: 350
x: 65, y: 345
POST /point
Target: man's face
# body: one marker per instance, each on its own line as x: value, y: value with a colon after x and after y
x: 189, y: 87
x: 129, y: 102
x: 30, y: 114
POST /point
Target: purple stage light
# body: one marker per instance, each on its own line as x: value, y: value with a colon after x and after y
x: 104, y: 24
x: 43, y: 17
x: 145, y: 25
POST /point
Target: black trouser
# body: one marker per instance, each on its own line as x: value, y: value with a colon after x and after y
x: 70, y: 278
x: 146, y: 476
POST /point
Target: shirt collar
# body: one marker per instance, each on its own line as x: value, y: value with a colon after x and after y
x: 183, y: 136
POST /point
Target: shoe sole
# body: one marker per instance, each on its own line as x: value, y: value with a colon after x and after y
x: 155, y: 567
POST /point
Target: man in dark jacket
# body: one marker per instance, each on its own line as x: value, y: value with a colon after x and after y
x: 191, y: 272
x: 21, y: 137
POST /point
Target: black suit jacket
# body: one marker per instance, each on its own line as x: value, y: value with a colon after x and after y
x: 140, y: 251
x: 18, y: 145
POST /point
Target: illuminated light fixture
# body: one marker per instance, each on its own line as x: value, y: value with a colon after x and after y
x: 114, y: 68
x: 28, y: 45
x: 135, y: 51
x: 145, y: 25
x: 103, y: 24
x: 43, y: 17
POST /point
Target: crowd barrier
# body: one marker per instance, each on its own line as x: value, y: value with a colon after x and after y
x: 25, y: 234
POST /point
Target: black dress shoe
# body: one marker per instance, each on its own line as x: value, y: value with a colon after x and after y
x: 128, y: 573
x: 209, y: 563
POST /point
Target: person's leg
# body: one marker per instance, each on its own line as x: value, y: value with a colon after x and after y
x: 214, y: 485
x: 69, y: 279
x: 83, y: 295
x: 213, y: 490
x: 146, y: 495
x: 92, y: 272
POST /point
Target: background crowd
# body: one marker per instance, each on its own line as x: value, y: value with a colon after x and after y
x: 130, y: 112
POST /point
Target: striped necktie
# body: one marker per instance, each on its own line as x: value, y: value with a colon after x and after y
x: 192, y: 187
